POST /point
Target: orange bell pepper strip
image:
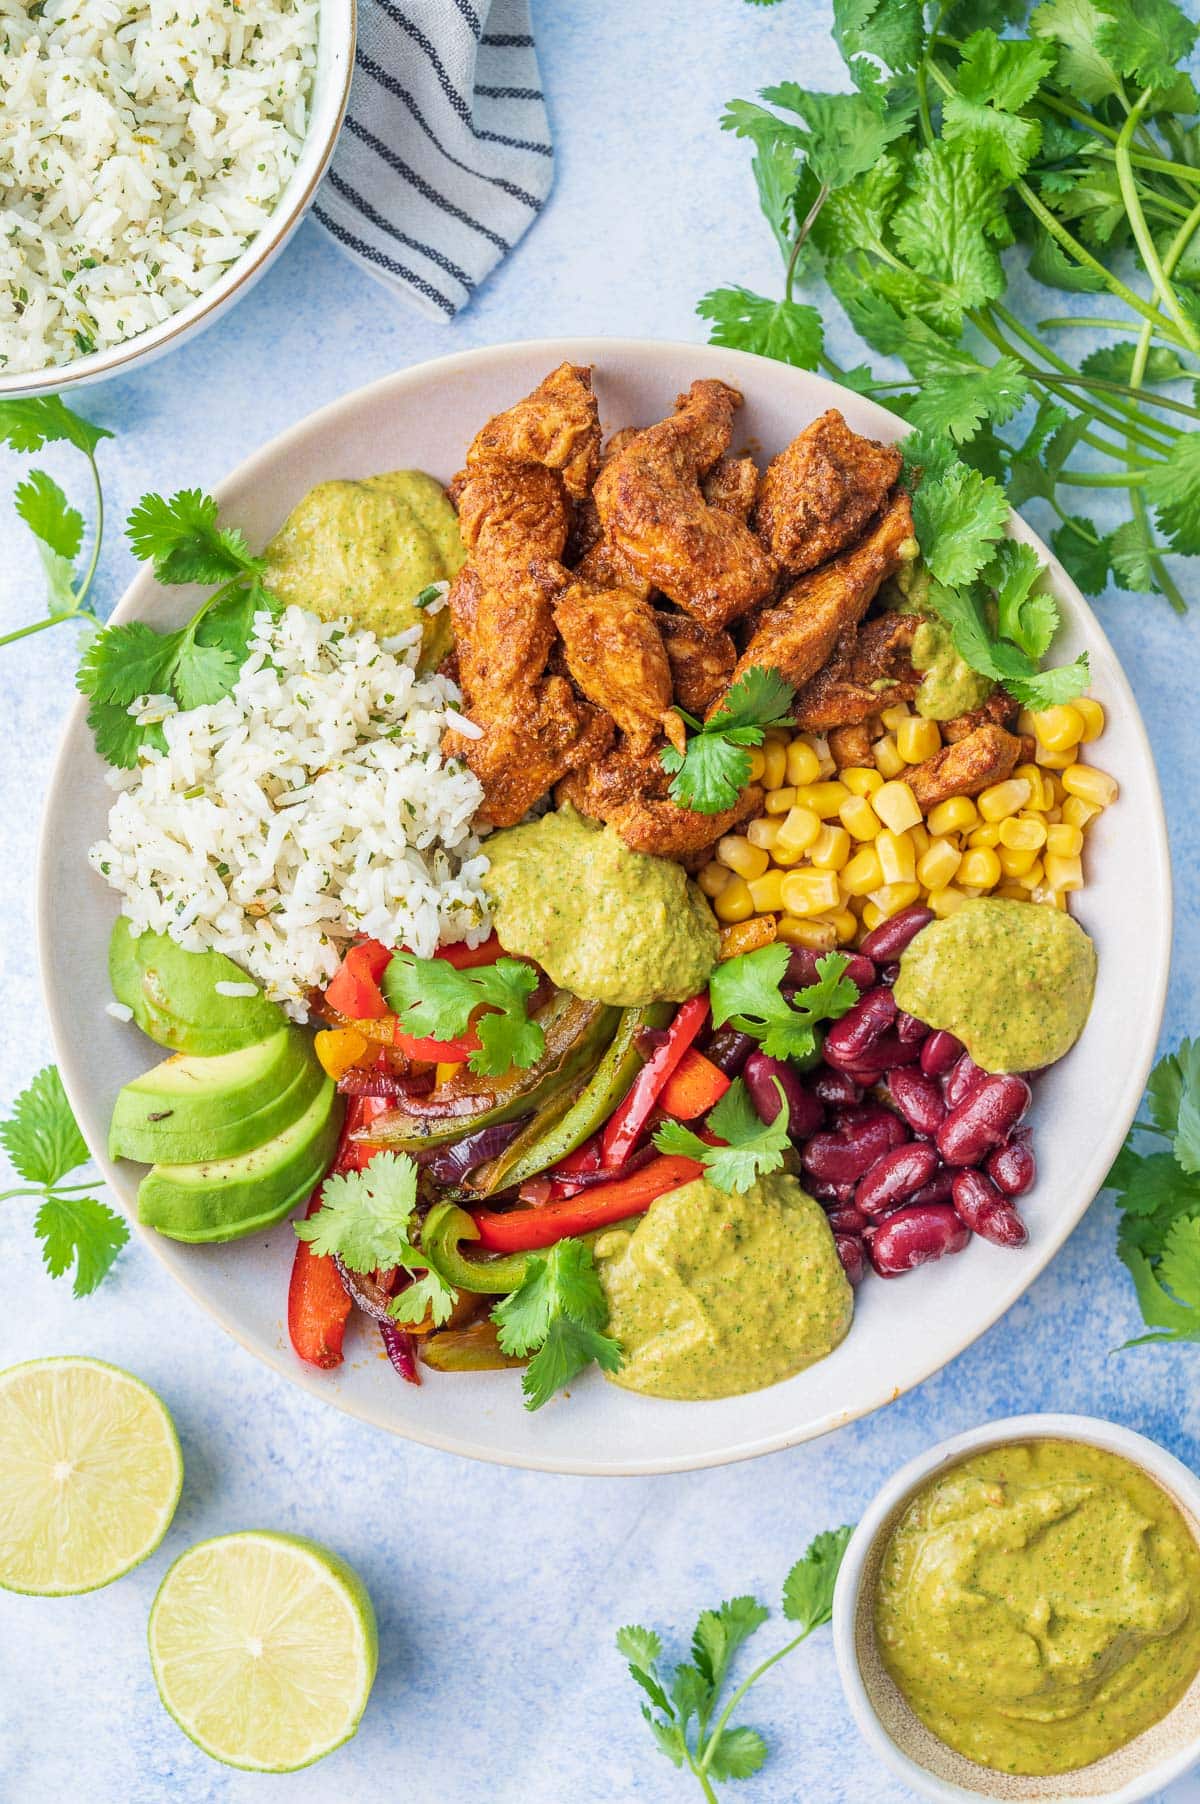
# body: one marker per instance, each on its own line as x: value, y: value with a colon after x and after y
x: 523, y: 1230
x: 354, y: 988
x: 318, y: 1306
x: 693, y: 1087
x: 625, y: 1124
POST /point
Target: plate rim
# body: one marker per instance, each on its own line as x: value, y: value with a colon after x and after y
x: 592, y: 349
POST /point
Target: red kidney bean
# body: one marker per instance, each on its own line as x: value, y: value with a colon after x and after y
x: 895, y: 1176
x: 836, y: 1089
x: 937, y: 1190
x: 885, y: 1052
x: 849, y: 1038
x: 761, y: 1074
x: 889, y: 973
x: 940, y: 1052
x: 846, y: 1219
x: 729, y: 1050
x: 983, y: 1119
x: 831, y: 1195
x: 1013, y: 1167
x: 862, y: 1136
x: 910, y: 1030
x: 852, y: 1255
x: 914, y: 1235
x: 981, y: 1207
x: 887, y: 941
x: 961, y: 1080
x: 918, y: 1098
x: 802, y: 969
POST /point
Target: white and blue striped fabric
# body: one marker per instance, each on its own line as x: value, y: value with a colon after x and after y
x: 445, y: 157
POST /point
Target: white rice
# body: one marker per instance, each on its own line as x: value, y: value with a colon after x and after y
x: 311, y: 805
x: 143, y: 144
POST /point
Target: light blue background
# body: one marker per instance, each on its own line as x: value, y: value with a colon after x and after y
x: 498, y: 1592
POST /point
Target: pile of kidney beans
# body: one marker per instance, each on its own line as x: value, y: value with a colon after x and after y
x: 906, y: 1183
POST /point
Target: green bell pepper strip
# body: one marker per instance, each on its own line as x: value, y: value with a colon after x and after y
x: 445, y: 1228
x: 559, y: 1128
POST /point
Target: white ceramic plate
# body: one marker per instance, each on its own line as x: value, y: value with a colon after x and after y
x: 904, y: 1330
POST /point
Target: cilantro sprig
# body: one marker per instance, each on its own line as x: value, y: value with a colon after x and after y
x: 744, y: 992
x: 27, y: 424
x: 436, y: 1001
x: 43, y: 1142
x: 752, y: 1148
x: 714, y: 766
x: 1068, y: 142
x: 558, y: 1313
x: 1158, y: 1193
x: 366, y: 1218
x: 684, y: 1702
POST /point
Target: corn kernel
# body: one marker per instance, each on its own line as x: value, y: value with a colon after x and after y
x: 797, y: 830
x: 1027, y: 723
x: 1023, y: 832
x: 713, y: 878
x: 1002, y: 799
x: 946, y: 901
x: 1093, y: 718
x: 938, y: 866
x: 917, y: 739
x: 921, y: 838
x: 737, y: 854
x: 818, y: 936
x: 774, y: 764
x: 746, y: 936
x: 735, y: 903
x: 892, y: 717
x: 758, y: 764
x: 986, y: 834
x: 896, y: 806
x: 872, y: 917
x: 888, y: 761
x: 859, y: 818
x: 1055, y: 760
x: 1078, y: 813
x: 980, y: 869
x: 809, y: 892
x: 337, y: 1048
x: 826, y: 762
x: 763, y: 832
x: 766, y: 892
x: 957, y: 815
x: 861, y: 780
x: 1033, y: 877
x: 897, y: 858
x: 1063, y: 873
x: 778, y: 801
x: 1055, y: 794
x: 1090, y: 784
x: 844, y: 924
x: 1010, y: 891
x: 1064, y: 841
x: 862, y: 874
x: 830, y: 849
x: 1039, y: 796
x: 777, y: 736
x: 1015, y: 863
x: 803, y: 765
x: 1058, y: 729
x: 893, y: 897
x: 785, y: 855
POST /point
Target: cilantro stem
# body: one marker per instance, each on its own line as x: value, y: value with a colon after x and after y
x: 1104, y: 479
x: 751, y: 1679
x: 1141, y: 231
x: 806, y: 226
x: 90, y: 572
x: 38, y: 626
x: 43, y: 1189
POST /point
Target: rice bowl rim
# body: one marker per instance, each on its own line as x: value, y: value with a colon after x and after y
x: 337, y: 30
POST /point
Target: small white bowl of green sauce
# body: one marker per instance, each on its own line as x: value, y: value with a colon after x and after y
x: 1018, y: 1615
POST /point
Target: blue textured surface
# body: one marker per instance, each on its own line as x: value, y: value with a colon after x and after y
x: 498, y: 1592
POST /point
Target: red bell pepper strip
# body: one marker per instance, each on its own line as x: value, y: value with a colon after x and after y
x: 625, y: 1124
x: 466, y: 958
x: 318, y: 1306
x: 354, y: 988
x: 693, y: 1087
x: 523, y: 1230
x: 361, y: 1111
x: 585, y: 1158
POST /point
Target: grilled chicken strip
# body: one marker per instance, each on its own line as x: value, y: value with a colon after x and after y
x: 999, y: 708
x: 798, y: 635
x: 629, y: 792
x: 654, y: 512
x: 819, y: 494
x: 615, y: 653
x: 869, y: 671
x: 701, y: 661
x: 557, y: 426
x: 985, y: 756
x: 732, y: 485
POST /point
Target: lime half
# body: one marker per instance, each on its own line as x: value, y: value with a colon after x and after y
x: 264, y: 1648
x: 90, y: 1473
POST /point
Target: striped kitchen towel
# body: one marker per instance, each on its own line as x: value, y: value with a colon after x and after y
x: 445, y: 157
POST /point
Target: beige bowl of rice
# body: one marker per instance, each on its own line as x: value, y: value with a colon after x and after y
x: 155, y: 156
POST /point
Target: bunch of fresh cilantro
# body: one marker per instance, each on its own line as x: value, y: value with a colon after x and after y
x: 683, y: 1703
x: 43, y: 1141
x: 1158, y: 1193
x: 1065, y: 153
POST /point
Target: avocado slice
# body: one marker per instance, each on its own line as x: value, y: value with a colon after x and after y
x: 223, y: 1199
x: 190, y: 1108
x: 174, y: 997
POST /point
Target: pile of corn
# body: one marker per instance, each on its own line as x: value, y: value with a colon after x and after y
x: 838, y: 851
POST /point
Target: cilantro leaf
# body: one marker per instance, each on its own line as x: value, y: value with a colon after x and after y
x: 1159, y: 1196
x: 1050, y: 265
x: 123, y: 662
x: 27, y: 424
x: 436, y: 1001
x: 41, y: 1136
x: 79, y: 1231
x: 846, y: 133
x: 641, y: 1647
x: 737, y: 1752
x: 428, y: 1295
x: 808, y: 1588
x: 893, y: 31
x: 958, y: 404
x: 742, y: 321
x: 1145, y: 40
x: 180, y: 536
x: 752, y: 1147
x: 1084, y: 553
x: 1080, y: 68
x: 1029, y: 619
x: 46, y: 511
x: 1114, y: 363
x: 958, y: 519
x: 365, y: 1215
x: 1173, y: 486
x: 203, y: 673
x: 1005, y: 71
x: 1130, y: 552
x: 721, y: 1632
x: 950, y: 224
x: 715, y: 766
x: 964, y: 612
x: 745, y: 992
x: 558, y: 1314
